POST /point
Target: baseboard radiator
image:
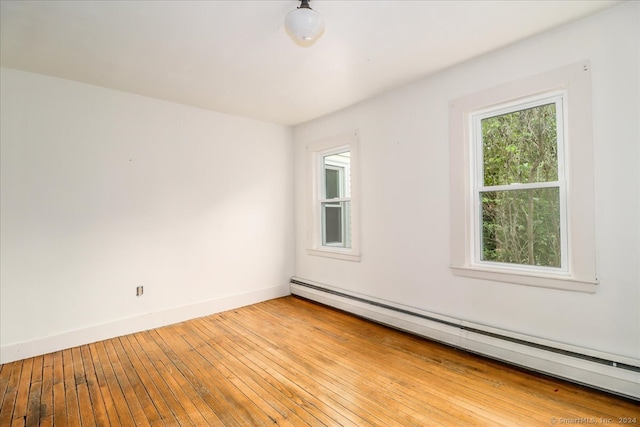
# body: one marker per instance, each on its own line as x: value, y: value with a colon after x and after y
x: 604, y: 371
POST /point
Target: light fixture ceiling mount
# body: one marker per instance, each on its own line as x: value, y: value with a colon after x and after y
x: 304, y: 24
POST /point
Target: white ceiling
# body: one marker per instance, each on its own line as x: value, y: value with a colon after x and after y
x: 235, y: 56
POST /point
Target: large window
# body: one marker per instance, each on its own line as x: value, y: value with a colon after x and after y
x: 334, y: 206
x: 521, y: 175
x: 519, y: 188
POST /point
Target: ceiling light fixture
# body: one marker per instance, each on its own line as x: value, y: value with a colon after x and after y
x: 304, y: 24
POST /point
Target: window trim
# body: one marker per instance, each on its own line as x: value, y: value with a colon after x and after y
x: 315, y: 152
x: 580, y: 276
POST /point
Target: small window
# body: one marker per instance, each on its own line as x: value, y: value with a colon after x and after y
x: 333, y: 205
x: 336, y: 203
x: 522, y: 187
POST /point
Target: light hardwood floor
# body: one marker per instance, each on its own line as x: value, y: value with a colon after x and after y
x: 287, y: 362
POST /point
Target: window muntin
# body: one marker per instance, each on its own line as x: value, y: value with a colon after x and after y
x: 519, y: 185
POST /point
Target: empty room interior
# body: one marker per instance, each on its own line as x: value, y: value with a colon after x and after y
x: 326, y: 213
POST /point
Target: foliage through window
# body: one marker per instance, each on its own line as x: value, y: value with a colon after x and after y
x: 519, y: 184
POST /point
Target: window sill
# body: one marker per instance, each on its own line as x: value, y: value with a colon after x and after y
x: 566, y: 283
x: 336, y: 254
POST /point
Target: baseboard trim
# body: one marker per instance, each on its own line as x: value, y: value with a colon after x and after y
x: 130, y: 325
x: 612, y: 373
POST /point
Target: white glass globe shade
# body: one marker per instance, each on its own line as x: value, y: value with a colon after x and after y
x: 304, y: 24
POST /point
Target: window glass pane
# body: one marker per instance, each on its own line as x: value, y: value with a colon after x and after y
x: 332, y: 182
x: 336, y: 220
x: 337, y: 175
x: 520, y: 147
x: 333, y: 223
x: 521, y: 227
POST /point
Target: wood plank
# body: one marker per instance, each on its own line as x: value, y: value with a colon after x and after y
x: 93, y: 388
x: 5, y: 374
x: 80, y: 379
x: 12, y: 373
x: 59, y: 395
x: 35, y: 393
x: 71, y: 391
x: 46, y: 396
x: 22, y: 397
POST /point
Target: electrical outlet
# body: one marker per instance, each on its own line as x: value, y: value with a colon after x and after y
x: 139, y: 291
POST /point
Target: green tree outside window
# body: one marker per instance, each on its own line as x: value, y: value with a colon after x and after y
x: 521, y: 225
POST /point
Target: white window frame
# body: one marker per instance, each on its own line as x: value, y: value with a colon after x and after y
x: 576, y: 183
x: 344, y: 169
x: 315, y: 162
x: 558, y: 98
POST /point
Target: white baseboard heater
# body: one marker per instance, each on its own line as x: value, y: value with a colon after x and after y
x: 612, y: 373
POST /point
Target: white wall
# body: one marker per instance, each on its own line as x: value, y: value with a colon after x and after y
x: 405, y: 192
x: 103, y: 191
